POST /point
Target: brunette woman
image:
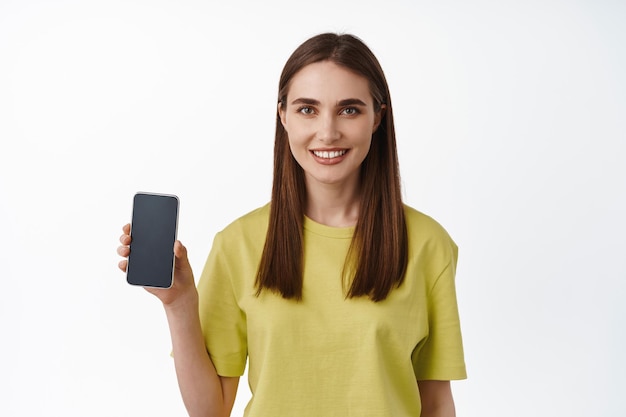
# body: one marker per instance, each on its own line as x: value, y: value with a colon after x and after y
x: 341, y: 297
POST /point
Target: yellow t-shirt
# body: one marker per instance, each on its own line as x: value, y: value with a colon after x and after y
x: 327, y: 355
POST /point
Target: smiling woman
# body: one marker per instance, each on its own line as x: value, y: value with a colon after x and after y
x: 341, y: 297
x: 329, y: 118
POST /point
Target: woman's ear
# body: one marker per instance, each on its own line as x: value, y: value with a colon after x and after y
x: 281, y: 115
x: 378, y: 117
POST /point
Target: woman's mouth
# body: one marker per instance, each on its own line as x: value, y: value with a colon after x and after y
x: 329, y: 154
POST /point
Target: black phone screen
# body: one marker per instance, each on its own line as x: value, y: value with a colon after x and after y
x: 153, y: 233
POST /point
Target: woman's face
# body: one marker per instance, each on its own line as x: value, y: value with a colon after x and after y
x: 329, y: 117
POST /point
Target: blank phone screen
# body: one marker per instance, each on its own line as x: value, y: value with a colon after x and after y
x: 153, y: 233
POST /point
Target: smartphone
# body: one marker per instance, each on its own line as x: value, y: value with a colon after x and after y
x: 154, y: 227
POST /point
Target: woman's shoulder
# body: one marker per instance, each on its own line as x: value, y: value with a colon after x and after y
x: 422, y: 223
x: 253, y: 223
x: 427, y: 236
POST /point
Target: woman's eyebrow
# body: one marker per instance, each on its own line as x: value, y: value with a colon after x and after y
x: 351, y: 102
x: 304, y: 100
x: 340, y: 103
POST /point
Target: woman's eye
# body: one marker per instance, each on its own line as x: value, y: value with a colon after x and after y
x: 350, y: 111
x: 305, y: 110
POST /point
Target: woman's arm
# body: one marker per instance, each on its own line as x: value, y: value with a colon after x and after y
x: 204, y: 393
x: 436, y: 399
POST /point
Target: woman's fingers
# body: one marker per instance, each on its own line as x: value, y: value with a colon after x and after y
x: 123, y: 265
x: 123, y: 251
x: 125, y: 238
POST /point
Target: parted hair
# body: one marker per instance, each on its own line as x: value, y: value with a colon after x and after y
x: 377, y: 258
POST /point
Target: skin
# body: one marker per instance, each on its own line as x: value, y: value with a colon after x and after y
x: 329, y: 111
x: 204, y: 392
x: 437, y: 400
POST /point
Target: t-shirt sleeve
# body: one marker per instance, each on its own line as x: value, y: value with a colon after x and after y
x: 440, y: 355
x: 222, y: 320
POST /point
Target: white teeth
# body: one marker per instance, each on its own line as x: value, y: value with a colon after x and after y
x: 329, y: 155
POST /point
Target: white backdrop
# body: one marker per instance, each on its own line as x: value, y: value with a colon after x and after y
x: 510, y: 121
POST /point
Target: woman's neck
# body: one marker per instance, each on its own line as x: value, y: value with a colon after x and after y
x: 333, y: 205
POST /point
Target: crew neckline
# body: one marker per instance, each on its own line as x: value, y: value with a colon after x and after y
x: 328, y: 231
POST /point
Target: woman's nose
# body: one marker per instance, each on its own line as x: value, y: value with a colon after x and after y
x: 327, y: 129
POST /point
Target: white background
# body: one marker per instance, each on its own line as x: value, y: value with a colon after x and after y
x: 510, y: 122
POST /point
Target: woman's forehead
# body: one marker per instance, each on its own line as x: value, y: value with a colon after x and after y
x: 326, y: 80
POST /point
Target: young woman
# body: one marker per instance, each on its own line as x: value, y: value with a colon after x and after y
x: 341, y: 297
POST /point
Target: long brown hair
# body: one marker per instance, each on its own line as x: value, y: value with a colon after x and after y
x: 378, y: 253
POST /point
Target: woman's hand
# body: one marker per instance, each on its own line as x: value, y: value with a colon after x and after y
x: 183, y: 289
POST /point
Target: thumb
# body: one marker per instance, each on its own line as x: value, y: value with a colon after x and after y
x: 180, y: 252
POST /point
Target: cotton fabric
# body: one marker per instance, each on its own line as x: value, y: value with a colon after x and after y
x: 328, y: 355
